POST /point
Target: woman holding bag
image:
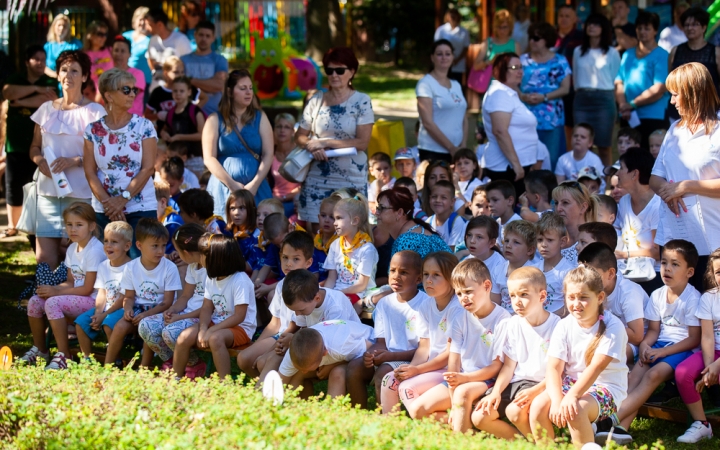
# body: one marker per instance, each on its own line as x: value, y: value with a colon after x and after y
x: 237, y: 144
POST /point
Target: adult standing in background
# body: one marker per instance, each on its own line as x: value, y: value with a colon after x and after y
x: 95, y: 47
x: 569, y: 38
x: 546, y: 80
x: 58, y: 40
x: 207, y: 69
x: 25, y: 92
x: 695, y: 22
x: 620, y: 12
x: 339, y: 118
x: 459, y: 37
x: 520, y: 27
x: 191, y: 13
x: 441, y: 106
x: 640, y: 83
x: 686, y: 175
x: 237, y: 144
x: 284, y: 133
x: 140, y: 41
x: 59, y: 126
x: 163, y: 43
x: 121, y: 50
x: 674, y: 35
x: 595, y: 64
x: 511, y: 127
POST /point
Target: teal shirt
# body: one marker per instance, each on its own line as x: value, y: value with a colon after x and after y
x: 638, y: 75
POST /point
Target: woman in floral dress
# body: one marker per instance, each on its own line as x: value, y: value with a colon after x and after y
x: 119, y: 156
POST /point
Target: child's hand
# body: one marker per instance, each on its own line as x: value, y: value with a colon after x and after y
x: 556, y: 415
x: 569, y: 407
x: 162, y: 115
x: 202, y: 338
x: 283, y: 343
x: 524, y: 200
x: 406, y: 371
x: 369, y: 359
x: 454, y: 379
x: 643, y: 349
x: 324, y: 371
x: 96, y: 320
x: 526, y: 396
x: 710, y: 374
x: 128, y: 314
x: 257, y: 284
x: 136, y: 320
x: 381, y: 356
x: 654, y: 354
x: 262, y: 291
x: 45, y: 291
x: 489, y: 403
x: 165, y: 136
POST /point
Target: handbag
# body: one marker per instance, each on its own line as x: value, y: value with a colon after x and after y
x: 640, y: 269
x: 296, y: 165
x: 479, y: 80
x: 28, y: 218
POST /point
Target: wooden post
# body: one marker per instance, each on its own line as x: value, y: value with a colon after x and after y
x: 550, y: 11
x: 439, y: 10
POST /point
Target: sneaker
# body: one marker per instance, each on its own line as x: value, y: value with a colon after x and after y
x: 167, y: 365
x: 196, y: 371
x: 58, y: 362
x: 30, y: 357
x: 696, y: 433
x: 615, y: 433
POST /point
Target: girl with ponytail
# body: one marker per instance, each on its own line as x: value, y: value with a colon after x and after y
x: 586, y: 374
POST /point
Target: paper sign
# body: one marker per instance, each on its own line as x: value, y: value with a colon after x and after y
x: 634, y: 120
x: 60, y: 180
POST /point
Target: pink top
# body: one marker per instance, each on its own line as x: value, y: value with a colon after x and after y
x: 138, y: 105
x: 101, y: 61
x: 282, y: 186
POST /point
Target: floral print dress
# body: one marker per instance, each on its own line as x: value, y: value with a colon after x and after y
x: 118, y: 155
x: 543, y: 78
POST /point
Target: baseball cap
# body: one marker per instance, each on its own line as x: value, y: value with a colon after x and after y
x: 589, y: 172
x: 403, y: 153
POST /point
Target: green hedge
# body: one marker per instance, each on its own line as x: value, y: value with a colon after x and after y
x: 97, y: 408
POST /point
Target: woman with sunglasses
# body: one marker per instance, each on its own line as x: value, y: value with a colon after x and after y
x: 99, y: 53
x: 441, y: 106
x: 121, y: 51
x: 119, y: 156
x: 339, y: 118
x: 59, y: 127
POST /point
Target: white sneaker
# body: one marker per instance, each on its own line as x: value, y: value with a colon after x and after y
x: 58, y: 362
x: 696, y: 433
x: 30, y: 357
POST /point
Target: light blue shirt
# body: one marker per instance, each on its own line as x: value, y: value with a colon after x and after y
x: 638, y: 75
x: 203, y: 68
x: 53, y: 50
x: 138, y: 58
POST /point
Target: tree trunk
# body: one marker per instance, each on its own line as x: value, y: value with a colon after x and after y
x: 325, y: 27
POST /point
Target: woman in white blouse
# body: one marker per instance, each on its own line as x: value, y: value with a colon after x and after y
x: 511, y: 128
x: 441, y: 106
x: 686, y: 174
x: 595, y: 64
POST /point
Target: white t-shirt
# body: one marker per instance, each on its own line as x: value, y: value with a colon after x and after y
x: 344, y: 341
x: 433, y: 324
x: 522, y: 129
x: 150, y: 285
x: 177, y: 44
x: 190, y: 181
x: 684, y: 156
x: 109, y: 278
x: 543, y: 154
x: 494, y: 261
x: 474, y: 339
x: 501, y: 230
x: 499, y: 283
x: 528, y: 346
x: 674, y: 318
x: 569, y: 342
x: 279, y: 309
x: 459, y: 37
x: 373, y: 189
x: 569, y: 167
x: 671, y: 36
x: 595, y: 69
x: 87, y: 260
x: 555, y: 289
x: 363, y: 261
x: 453, y: 237
x: 709, y: 309
x: 335, y: 306
x: 196, y: 276
x: 399, y: 322
x: 467, y: 188
x: 448, y: 111
x: 637, y: 228
x: 627, y: 301
x: 232, y: 291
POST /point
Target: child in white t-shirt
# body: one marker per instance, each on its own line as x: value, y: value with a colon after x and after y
x: 324, y: 350
x: 520, y: 242
x: 352, y: 259
x: 446, y: 222
x: 468, y: 174
x: 380, y: 168
x: 569, y: 165
x: 501, y: 198
x: 480, y: 239
x: 586, y: 370
x: 526, y: 338
x: 551, y: 237
x: 537, y: 198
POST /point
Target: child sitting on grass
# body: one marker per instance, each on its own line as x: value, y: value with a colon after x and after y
x: 570, y: 164
x: 480, y: 238
x: 405, y: 162
x: 322, y: 352
x: 179, y: 149
x: 537, y: 198
x: 551, y: 237
x: 326, y: 221
x: 165, y: 213
x: 448, y: 224
x: 520, y: 245
x: 108, y: 303
x: 149, y: 282
x: 479, y: 203
x: 468, y: 174
x: 501, y: 201
x: 380, y: 169
x: 196, y: 206
x: 590, y: 232
x: 172, y: 171
x: 607, y: 209
x: 524, y: 353
x: 242, y: 219
x: 655, y: 141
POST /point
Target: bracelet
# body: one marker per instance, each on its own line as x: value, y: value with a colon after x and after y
x: 632, y: 104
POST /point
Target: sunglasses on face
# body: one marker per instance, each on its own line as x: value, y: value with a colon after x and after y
x: 380, y: 208
x: 535, y: 38
x: 126, y: 90
x: 515, y: 67
x: 338, y: 70
x: 100, y: 34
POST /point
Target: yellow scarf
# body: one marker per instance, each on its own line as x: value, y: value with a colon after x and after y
x: 240, y: 232
x: 209, y: 220
x: 361, y: 238
x: 319, y: 242
x: 166, y: 213
x: 299, y: 228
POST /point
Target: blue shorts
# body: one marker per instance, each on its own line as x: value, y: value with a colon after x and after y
x: 672, y: 360
x: 83, y: 320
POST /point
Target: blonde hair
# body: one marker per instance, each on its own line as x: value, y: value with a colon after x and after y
x: 471, y: 269
x: 112, y: 80
x: 285, y: 116
x: 162, y: 189
x: 85, y: 212
x: 332, y: 201
x: 699, y: 100
x: 524, y: 229
x: 446, y: 261
x: 658, y: 132
x: 530, y: 275
x: 120, y: 228
x: 273, y: 203
x: 356, y: 207
x: 578, y: 192
x: 590, y: 278
x: 502, y: 16
x: 139, y: 13
x: 51, y: 30
x: 171, y: 62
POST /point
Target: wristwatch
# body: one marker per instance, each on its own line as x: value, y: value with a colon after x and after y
x: 545, y: 97
x: 126, y: 195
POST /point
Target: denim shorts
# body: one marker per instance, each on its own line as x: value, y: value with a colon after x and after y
x: 50, y: 223
x: 83, y: 320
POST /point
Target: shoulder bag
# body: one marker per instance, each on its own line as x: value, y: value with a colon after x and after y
x: 297, y: 163
x: 28, y: 218
x: 479, y: 80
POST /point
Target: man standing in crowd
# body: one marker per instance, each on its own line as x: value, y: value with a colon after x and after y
x: 674, y: 35
x: 163, y: 43
x: 207, y: 70
x: 25, y: 92
x: 569, y: 37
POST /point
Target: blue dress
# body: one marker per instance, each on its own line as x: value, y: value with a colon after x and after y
x: 238, y: 162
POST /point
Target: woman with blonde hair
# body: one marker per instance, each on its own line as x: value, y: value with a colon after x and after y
x: 59, y: 39
x: 686, y: 175
x: 140, y: 40
x: 576, y: 206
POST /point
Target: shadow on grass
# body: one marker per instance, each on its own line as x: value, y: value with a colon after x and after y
x: 17, y: 264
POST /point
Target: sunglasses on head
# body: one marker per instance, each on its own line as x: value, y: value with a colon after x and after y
x: 572, y: 184
x: 338, y: 70
x: 535, y: 38
x: 126, y: 90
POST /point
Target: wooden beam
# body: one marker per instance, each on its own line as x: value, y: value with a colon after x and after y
x: 672, y: 414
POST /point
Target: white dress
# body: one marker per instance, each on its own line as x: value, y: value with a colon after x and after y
x: 325, y: 177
